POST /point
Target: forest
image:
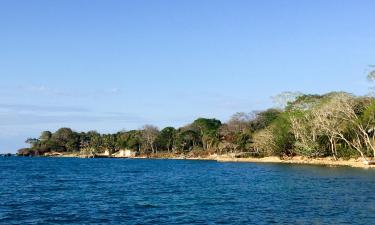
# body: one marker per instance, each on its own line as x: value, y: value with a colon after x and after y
x: 336, y: 124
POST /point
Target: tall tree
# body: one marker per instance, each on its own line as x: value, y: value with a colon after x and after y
x: 149, y: 134
x: 338, y: 118
x: 66, y: 138
x: 166, y: 138
x: 32, y: 142
x: 45, y: 136
x: 209, y: 131
x: 187, y: 139
x: 109, y: 143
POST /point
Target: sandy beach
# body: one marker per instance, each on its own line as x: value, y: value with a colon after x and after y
x: 328, y: 161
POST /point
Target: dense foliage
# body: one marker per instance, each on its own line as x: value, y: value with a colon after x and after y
x: 336, y: 124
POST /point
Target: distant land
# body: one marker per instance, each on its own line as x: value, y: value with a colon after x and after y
x: 338, y: 125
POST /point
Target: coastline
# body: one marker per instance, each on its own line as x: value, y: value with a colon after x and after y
x: 329, y: 162
x: 355, y: 163
x: 297, y: 160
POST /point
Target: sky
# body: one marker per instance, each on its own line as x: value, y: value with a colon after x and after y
x: 113, y: 65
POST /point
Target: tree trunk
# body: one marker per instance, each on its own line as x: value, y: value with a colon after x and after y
x: 332, y: 148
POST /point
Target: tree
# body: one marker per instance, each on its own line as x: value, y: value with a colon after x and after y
x: 238, y: 122
x: 45, y: 136
x: 264, y: 118
x: 208, y: 130
x: 166, y: 138
x: 90, y: 142
x: 264, y: 142
x: 283, y: 136
x: 149, y: 134
x: 109, y: 143
x: 338, y: 119
x: 305, y: 132
x: 66, y: 138
x: 129, y: 140
x: 32, y: 142
x: 276, y: 138
x: 235, y: 135
x: 187, y: 139
x: 283, y: 99
x: 326, y: 124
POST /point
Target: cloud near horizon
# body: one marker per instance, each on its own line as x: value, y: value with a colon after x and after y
x: 39, y: 108
x: 58, y: 92
x: 22, y: 114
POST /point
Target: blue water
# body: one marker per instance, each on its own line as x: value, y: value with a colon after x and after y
x: 120, y: 191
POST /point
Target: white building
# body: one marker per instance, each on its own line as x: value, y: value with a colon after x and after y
x: 107, y: 153
x: 126, y: 153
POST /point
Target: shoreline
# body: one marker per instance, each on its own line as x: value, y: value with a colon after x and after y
x: 297, y: 160
x: 329, y: 162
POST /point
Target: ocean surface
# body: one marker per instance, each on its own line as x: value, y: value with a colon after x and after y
x: 125, y: 191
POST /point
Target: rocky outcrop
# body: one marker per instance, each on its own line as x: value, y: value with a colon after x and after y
x: 30, y: 152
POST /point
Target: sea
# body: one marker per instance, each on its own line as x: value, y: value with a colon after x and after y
x: 154, y: 191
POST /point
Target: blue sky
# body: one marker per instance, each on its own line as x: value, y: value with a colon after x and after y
x: 112, y: 65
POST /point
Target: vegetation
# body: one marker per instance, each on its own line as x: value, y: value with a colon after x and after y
x: 336, y: 124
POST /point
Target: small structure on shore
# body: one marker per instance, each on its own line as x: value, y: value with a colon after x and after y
x: 126, y: 153
x: 107, y: 153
